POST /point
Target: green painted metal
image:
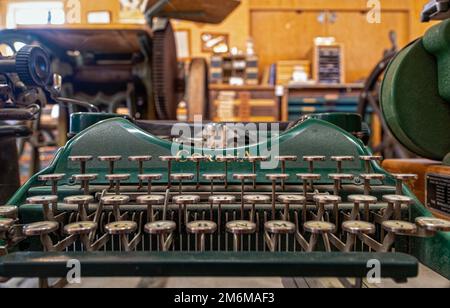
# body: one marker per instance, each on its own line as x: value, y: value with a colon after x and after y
x: 81, y: 120
x: 141, y: 264
x: 350, y: 122
x: 118, y: 136
x: 437, y: 42
x: 413, y: 108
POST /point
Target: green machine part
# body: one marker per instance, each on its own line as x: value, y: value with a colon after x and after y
x: 415, y: 94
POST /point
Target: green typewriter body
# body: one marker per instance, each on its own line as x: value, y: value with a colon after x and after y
x: 125, y: 203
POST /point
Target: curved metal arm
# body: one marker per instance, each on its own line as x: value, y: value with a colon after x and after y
x: 71, y: 101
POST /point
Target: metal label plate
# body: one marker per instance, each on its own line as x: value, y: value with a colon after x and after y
x: 438, y: 193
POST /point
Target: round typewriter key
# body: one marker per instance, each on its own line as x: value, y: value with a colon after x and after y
x: 40, y: 228
x: 311, y: 160
x: 115, y: 200
x: 279, y: 227
x: 254, y: 200
x: 5, y: 224
x: 214, y: 177
x: 140, y: 158
x: 243, y: 177
x: 198, y: 159
x: 80, y: 228
x: 44, y: 200
x: 54, y: 179
x: 399, y: 227
x: 340, y: 160
x: 319, y: 227
x: 83, y: 204
x: 241, y: 227
x: 85, y: 180
x: 433, y: 224
x: 222, y: 199
x: 226, y: 160
x: 357, y: 200
x: 369, y: 159
x: 277, y: 177
x: 201, y: 227
x: 9, y: 211
x: 160, y: 227
x: 371, y: 177
x: 117, y: 178
x: 150, y: 200
x: 238, y: 229
x: 338, y: 178
x: 183, y: 200
x: 181, y: 177
x: 247, y: 176
x: 308, y: 177
x: 254, y: 160
x: 287, y: 200
x: 121, y: 227
x: 401, y: 179
x: 327, y: 199
x: 286, y: 158
x: 150, y: 178
x: 164, y: 230
x: 169, y: 160
x: 283, y: 160
x: 398, y: 199
x: 82, y: 160
x: 110, y: 158
x: 358, y: 227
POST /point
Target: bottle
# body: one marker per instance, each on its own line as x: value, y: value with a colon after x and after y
x: 182, y: 112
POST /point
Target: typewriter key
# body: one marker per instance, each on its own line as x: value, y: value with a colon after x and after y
x: 214, y: 177
x: 219, y: 201
x: 371, y: 177
x: 164, y: 230
x: 273, y: 230
x: 82, y: 160
x: 357, y: 201
x: 254, y: 160
x: 169, y: 160
x: 200, y: 229
x: 111, y: 161
x: 401, y: 179
x: 243, y: 178
x: 183, y: 201
x: 45, y: 201
x: 319, y: 227
x: 338, y: 178
x: 323, y: 200
x: 308, y: 177
x: 368, y: 161
x: 80, y: 228
x: 198, y: 159
x: 433, y: 224
x: 6, y: 224
x: 181, y: 177
x: 150, y: 178
x: 254, y: 200
x: 311, y: 160
x: 115, y: 201
x: 140, y: 160
x: 117, y: 178
x: 85, y: 180
x: 121, y: 227
x: 340, y: 160
x: 226, y: 160
x: 40, y: 228
x: 54, y: 179
x: 395, y: 203
x: 287, y: 200
x: 399, y: 227
x: 283, y: 160
x: 274, y: 178
x: 239, y: 228
x: 9, y: 211
x: 150, y: 201
x: 358, y: 227
x: 83, y: 204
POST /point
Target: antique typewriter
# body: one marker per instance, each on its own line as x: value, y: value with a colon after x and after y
x: 117, y: 199
x: 126, y: 203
